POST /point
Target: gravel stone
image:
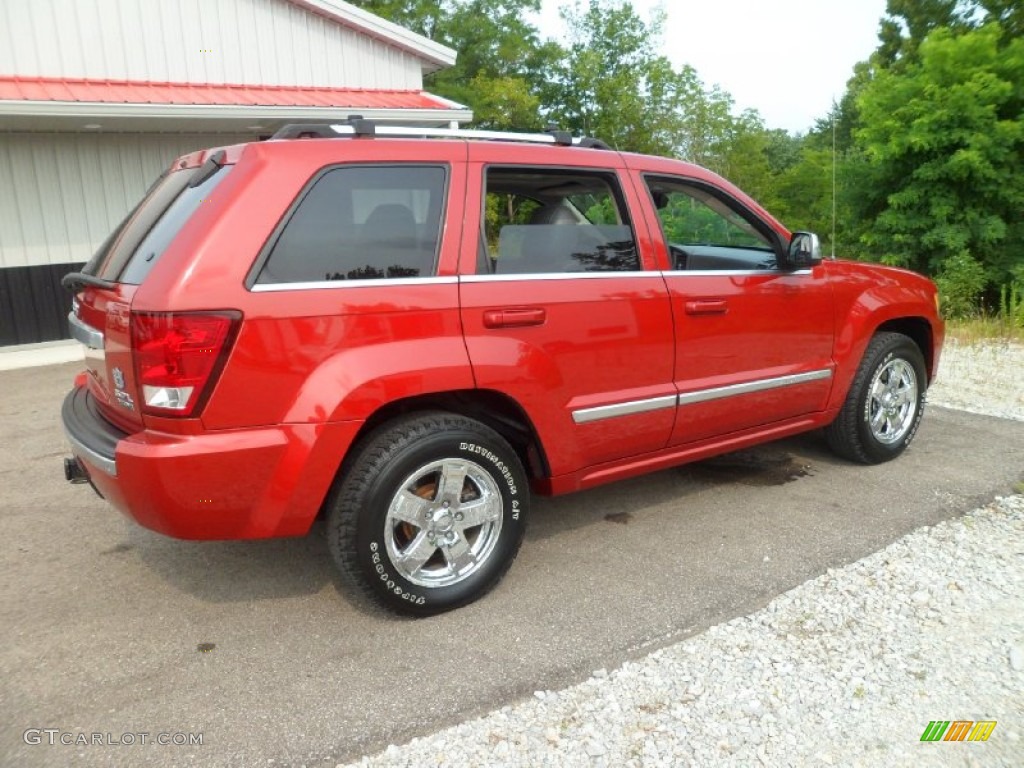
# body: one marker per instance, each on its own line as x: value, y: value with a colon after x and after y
x: 1017, y: 658
x: 845, y: 669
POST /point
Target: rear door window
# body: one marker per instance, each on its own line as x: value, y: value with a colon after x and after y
x: 540, y: 221
x: 361, y: 223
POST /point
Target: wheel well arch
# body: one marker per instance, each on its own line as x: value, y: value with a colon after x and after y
x: 919, y: 330
x: 495, y: 409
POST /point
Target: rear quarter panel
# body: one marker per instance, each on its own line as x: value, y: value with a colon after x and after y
x: 328, y: 354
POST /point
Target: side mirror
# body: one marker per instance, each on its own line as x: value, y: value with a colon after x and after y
x: 804, y: 251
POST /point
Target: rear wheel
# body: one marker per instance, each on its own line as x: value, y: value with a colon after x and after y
x: 886, y: 401
x: 430, y: 514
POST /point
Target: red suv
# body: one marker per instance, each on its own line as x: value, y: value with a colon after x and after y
x: 412, y: 330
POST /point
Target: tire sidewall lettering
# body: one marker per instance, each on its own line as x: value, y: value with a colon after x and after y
x: 489, y: 461
x: 389, y: 581
x: 393, y: 454
x: 503, y: 469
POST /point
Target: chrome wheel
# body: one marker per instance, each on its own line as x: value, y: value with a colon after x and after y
x: 443, y: 523
x: 892, y: 401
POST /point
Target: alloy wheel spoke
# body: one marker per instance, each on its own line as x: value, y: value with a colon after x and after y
x: 417, y: 553
x: 479, y: 512
x: 453, y: 478
x: 878, y: 419
x: 409, y: 508
x: 878, y: 388
x: 459, y: 555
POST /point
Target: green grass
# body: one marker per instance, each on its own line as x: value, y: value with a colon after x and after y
x: 984, y: 328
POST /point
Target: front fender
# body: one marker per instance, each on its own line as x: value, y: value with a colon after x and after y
x: 868, y: 297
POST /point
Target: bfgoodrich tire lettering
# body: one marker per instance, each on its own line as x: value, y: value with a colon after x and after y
x: 885, y: 403
x: 429, y: 514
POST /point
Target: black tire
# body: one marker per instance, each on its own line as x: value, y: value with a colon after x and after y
x: 368, y: 533
x: 852, y: 435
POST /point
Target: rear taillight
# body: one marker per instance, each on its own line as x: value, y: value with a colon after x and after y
x: 178, y: 356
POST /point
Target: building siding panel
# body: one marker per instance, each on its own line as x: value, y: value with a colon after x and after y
x: 268, y: 42
x: 61, y: 194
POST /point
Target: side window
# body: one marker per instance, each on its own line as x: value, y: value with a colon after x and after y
x: 362, y: 223
x: 166, y: 228
x: 545, y: 221
x: 704, y: 232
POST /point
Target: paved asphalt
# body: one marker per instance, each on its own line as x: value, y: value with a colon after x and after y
x: 101, y: 621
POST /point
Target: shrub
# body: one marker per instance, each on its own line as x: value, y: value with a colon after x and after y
x: 961, y: 281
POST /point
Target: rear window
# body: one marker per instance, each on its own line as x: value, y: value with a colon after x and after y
x: 141, y: 239
x: 361, y: 223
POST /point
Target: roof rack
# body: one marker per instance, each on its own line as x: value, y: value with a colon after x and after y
x: 357, y: 126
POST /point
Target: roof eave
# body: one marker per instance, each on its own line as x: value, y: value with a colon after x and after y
x: 434, y: 55
x: 107, y: 109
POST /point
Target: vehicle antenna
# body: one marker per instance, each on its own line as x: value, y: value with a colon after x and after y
x: 834, y: 110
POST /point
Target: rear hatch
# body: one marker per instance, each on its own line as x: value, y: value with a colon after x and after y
x: 101, y: 310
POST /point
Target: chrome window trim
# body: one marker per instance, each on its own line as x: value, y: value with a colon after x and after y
x: 332, y: 284
x: 629, y: 408
x: 446, y: 280
x: 760, y: 385
x: 107, y: 465
x: 557, y: 276
x: 84, y: 333
x: 733, y: 272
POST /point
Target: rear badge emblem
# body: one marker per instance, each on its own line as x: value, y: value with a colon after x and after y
x: 123, y: 398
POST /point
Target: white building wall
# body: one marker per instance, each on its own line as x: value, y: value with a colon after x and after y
x: 251, y: 42
x: 61, y: 194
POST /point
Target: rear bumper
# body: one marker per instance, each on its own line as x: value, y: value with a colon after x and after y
x: 91, y: 436
x: 232, y: 484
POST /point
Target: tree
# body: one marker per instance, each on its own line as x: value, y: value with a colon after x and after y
x: 942, y: 143
x: 610, y: 82
x: 908, y: 22
x: 426, y: 17
x: 501, y: 61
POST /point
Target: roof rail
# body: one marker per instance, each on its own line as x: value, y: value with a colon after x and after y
x: 357, y: 126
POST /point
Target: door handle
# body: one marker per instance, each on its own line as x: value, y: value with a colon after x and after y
x: 515, y: 318
x: 707, y: 307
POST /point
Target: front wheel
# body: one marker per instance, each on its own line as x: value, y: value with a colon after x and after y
x: 885, y: 403
x: 430, y: 514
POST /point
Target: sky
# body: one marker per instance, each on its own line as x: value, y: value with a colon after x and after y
x: 787, y: 59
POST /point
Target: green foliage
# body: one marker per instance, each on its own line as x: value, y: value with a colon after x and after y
x: 501, y: 60
x: 942, y: 142
x: 611, y: 83
x: 423, y: 16
x: 1011, y: 303
x: 961, y: 281
x: 908, y: 22
x: 925, y: 145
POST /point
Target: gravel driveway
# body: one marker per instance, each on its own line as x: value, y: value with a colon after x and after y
x: 846, y: 669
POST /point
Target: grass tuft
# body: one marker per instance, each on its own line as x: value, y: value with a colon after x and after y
x: 984, y: 328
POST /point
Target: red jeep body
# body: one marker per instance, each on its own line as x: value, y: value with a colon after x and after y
x: 592, y: 375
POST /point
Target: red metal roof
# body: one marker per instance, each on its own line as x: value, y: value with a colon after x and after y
x: 142, y: 92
